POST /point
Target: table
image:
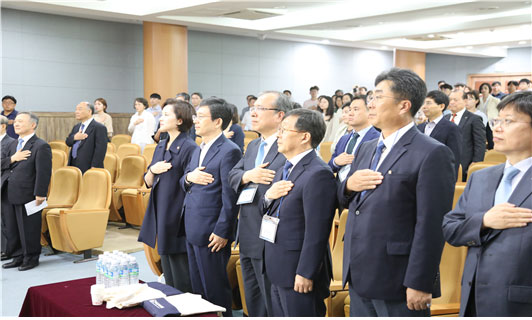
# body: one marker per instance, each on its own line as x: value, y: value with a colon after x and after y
x: 70, y: 299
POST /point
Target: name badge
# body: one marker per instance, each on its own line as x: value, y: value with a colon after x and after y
x: 268, y: 228
x: 247, y: 195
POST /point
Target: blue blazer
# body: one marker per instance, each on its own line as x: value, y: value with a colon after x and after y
x: 251, y: 214
x: 163, y: 221
x: 211, y: 208
x: 499, y: 261
x: 238, y: 136
x: 306, y: 215
x: 393, y: 238
x: 342, y: 144
x: 450, y: 135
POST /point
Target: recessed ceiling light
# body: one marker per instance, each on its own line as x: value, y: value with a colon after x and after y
x: 505, y: 47
x: 384, y: 47
x: 325, y: 41
x: 381, y: 22
x: 522, y: 42
x: 469, y: 47
x: 430, y: 36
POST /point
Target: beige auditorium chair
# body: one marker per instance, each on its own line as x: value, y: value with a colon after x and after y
x: 335, y: 302
x: 82, y: 228
x: 149, y: 149
x: 63, y: 194
x: 59, y: 145
x: 111, y: 148
x: 325, y: 151
x: 131, y: 176
x: 127, y: 149
x: 248, y: 137
x: 494, y: 156
x: 59, y: 159
x: 120, y: 139
x: 135, y: 202
x: 478, y: 166
x: 110, y: 163
x: 241, y: 287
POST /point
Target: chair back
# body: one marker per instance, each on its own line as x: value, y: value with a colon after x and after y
x: 66, y: 187
x: 120, y: 139
x: 95, y: 190
x: 59, y: 145
x: 199, y: 140
x: 494, y: 156
x: 325, y: 151
x: 149, y: 149
x: 458, y: 190
x: 251, y: 134
x: 451, y: 269
x: 59, y: 159
x: 478, y: 166
x: 127, y: 149
x: 110, y: 163
x: 132, y: 172
x: 111, y: 148
x: 338, y: 249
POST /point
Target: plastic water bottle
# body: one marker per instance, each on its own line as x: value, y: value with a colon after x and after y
x: 124, y: 272
x: 114, y: 274
x: 105, y: 271
x: 133, y: 270
x: 99, y: 267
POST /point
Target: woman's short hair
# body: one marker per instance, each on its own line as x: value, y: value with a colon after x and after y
x: 143, y: 101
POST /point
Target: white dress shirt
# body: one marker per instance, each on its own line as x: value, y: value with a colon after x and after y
x: 431, y: 125
x: 26, y: 138
x: 205, y: 148
x: 458, y: 117
x: 390, y: 141
x: 86, y: 124
x: 269, y: 142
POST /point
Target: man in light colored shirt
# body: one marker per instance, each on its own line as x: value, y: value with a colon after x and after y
x: 493, y: 219
x: 195, y: 100
x: 312, y: 103
x: 155, y: 108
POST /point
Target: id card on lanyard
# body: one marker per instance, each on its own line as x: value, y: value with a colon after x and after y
x: 247, y: 194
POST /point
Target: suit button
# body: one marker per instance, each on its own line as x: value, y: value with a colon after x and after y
x: 357, y: 212
x: 470, y: 283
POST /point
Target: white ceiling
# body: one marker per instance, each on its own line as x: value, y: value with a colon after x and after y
x: 465, y: 27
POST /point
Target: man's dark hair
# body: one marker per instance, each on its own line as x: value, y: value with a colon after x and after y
x: 441, y: 81
x: 495, y: 83
x: 219, y: 110
x: 525, y: 80
x: 459, y: 84
x: 197, y: 94
x: 406, y: 85
x: 289, y: 92
x: 515, y: 83
x: 474, y: 94
x: 521, y: 101
x: 362, y: 97
x: 251, y: 97
x: 446, y: 86
x: 295, y: 105
x: 309, y: 121
x: 330, y: 108
x: 155, y: 95
x: 10, y: 98
x: 185, y: 96
x: 282, y: 103
x: 349, y: 95
x: 485, y: 84
x: 141, y: 100
x: 439, y: 97
x: 347, y: 105
x: 339, y: 92
x: 314, y: 88
x: 182, y: 110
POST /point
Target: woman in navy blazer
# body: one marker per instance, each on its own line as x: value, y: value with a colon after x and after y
x: 162, y: 221
x: 234, y: 131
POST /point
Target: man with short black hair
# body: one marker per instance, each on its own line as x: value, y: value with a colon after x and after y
x: 26, y: 173
x: 496, y: 90
x: 183, y: 96
x: 155, y: 107
x: 312, y: 103
x: 439, y: 127
x: 459, y: 86
x: 446, y: 88
x: 512, y: 86
x: 8, y: 104
x: 210, y: 208
x: 524, y: 84
x: 288, y: 93
x: 399, y: 187
x: 88, y: 140
x: 195, y: 100
x: 493, y: 219
x: 299, y: 208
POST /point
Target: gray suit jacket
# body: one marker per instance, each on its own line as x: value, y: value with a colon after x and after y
x: 499, y: 261
x: 250, y: 214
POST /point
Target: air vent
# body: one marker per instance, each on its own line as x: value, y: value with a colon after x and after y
x: 427, y: 38
x: 250, y: 14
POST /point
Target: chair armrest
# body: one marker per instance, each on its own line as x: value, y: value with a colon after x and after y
x: 336, y: 285
x: 444, y: 308
x: 74, y: 211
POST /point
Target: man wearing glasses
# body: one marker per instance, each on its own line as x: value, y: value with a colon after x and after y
x: 398, y: 189
x: 299, y: 208
x: 493, y: 219
x: 250, y: 178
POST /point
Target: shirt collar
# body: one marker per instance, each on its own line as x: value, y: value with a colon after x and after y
x: 390, y: 141
x: 294, y: 160
x: 271, y: 139
x: 208, y: 145
x: 2, y: 136
x: 363, y: 132
x: 437, y: 119
x: 522, y: 165
x: 28, y: 137
x: 86, y: 123
x: 460, y: 113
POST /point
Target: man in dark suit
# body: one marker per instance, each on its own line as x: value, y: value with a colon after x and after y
x: 348, y: 144
x: 26, y: 172
x: 253, y: 175
x: 88, y: 140
x: 399, y: 187
x: 473, y: 131
x: 210, y: 208
x: 299, y: 208
x: 493, y: 219
x: 5, y: 140
x: 439, y: 127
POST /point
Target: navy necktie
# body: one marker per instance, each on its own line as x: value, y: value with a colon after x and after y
x: 76, y: 144
x: 375, y: 162
x: 352, y: 143
x: 286, y: 169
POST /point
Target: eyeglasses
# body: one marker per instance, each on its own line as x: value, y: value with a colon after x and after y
x: 504, y: 123
x: 196, y: 117
x: 282, y: 130
x: 261, y: 109
x: 378, y: 97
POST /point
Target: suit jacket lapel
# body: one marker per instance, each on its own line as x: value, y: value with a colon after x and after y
x: 88, y: 131
x: 492, y: 184
x: 213, y: 150
x: 437, y: 128
x: 252, y: 150
x: 522, y: 190
x: 272, y: 153
x: 27, y: 146
x: 464, y: 118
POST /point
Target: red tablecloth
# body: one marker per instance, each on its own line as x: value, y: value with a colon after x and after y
x: 70, y: 299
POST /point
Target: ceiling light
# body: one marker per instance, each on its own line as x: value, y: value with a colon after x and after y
x: 505, y: 47
x: 430, y: 36
x: 384, y: 48
x: 381, y: 22
x: 325, y: 41
x: 522, y: 42
x: 469, y: 47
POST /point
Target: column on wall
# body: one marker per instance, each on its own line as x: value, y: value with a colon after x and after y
x: 165, y: 59
x: 412, y: 60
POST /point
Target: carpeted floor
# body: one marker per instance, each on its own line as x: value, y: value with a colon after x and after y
x: 120, y: 239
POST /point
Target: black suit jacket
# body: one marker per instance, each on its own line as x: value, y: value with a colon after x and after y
x: 250, y: 214
x: 91, y: 151
x: 29, y: 178
x: 450, y: 135
x: 473, y: 140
